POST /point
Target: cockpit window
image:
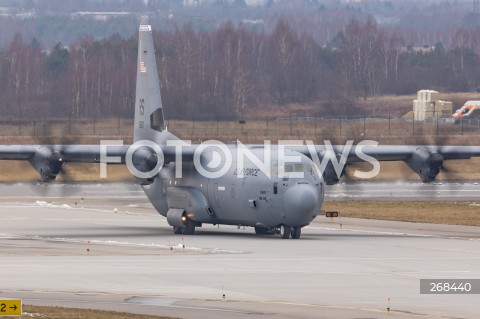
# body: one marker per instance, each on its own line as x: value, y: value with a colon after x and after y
x: 292, y: 168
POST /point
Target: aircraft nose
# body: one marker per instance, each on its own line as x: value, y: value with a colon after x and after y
x: 300, y: 203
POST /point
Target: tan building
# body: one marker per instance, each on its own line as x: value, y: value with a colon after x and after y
x: 428, y: 106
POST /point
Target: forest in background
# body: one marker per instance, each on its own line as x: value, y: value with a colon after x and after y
x: 222, y: 73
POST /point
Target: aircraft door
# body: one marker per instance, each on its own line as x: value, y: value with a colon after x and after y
x: 221, y: 194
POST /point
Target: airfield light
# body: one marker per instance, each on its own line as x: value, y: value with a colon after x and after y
x: 331, y: 214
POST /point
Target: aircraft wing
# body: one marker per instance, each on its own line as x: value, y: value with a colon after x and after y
x: 16, y: 152
x: 426, y: 161
x: 69, y: 153
x: 48, y: 160
x: 405, y: 152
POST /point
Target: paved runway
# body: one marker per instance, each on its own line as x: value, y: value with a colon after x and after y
x: 405, y: 190
x: 352, y: 190
x: 136, y: 264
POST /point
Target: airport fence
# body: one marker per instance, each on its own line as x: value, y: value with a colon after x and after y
x: 353, y: 127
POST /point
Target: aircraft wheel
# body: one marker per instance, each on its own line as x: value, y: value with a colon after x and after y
x: 285, y: 231
x: 296, y: 232
x: 177, y: 230
x: 189, y: 228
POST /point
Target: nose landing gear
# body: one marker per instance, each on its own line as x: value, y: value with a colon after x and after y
x: 285, y: 231
x: 289, y: 231
x: 296, y: 232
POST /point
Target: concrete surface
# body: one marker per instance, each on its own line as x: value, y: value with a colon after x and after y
x: 136, y: 264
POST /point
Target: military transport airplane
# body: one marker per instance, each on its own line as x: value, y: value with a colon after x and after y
x: 266, y: 187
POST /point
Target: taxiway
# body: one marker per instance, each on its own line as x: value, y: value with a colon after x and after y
x: 104, y: 247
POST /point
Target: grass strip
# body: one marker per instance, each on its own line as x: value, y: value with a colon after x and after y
x: 74, y: 313
x: 434, y: 212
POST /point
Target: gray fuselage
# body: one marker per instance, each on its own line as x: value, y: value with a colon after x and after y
x: 252, y: 200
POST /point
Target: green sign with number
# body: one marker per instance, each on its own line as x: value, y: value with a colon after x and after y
x: 11, y: 307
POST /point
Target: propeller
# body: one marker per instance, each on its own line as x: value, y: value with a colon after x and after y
x: 49, y: 162
x: 437, y: 160
x: 428, y: 162
x: 56, y: 145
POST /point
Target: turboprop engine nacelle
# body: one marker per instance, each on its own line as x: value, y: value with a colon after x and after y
x: 47, y: 162
x: 425, y: 163
x: 144, y: 159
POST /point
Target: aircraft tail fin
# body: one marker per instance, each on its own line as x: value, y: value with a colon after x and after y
x: 149, y: 121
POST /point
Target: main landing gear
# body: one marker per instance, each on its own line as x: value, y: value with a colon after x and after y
x: 188, y: 229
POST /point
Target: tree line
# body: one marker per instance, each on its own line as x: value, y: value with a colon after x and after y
x: 223, y: 73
